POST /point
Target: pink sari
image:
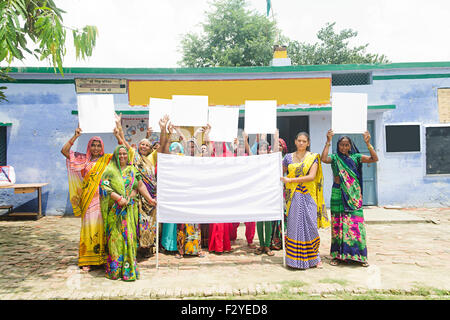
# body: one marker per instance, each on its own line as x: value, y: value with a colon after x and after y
x: 219, y: 233
x: 84, y: 178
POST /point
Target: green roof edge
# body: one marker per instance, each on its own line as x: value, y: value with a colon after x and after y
x: 216, y: 70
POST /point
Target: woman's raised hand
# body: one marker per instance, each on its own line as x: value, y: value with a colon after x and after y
x: 77, y: 132
x: 366, y: 137
x: 330, y: 135
x: 163, y: 123
x: 149, y: 132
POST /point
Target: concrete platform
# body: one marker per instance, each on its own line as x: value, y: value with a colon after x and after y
x: 373, y: 215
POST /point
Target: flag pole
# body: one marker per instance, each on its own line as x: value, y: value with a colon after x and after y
x: 282, y: 209
x: 157, y: 242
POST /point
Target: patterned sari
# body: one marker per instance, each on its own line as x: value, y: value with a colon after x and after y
x: 147, y: 213
x: 121, y: 223
x: 306, y: 212
x: 84, y: 179
x: 348, y: 233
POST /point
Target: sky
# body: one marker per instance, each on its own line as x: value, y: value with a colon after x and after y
x: 147, y: 33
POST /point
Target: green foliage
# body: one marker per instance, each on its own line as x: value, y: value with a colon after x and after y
x: 41, y: 22
x: 235, y: 36
x: 333, y: 48
x: 232, y: 36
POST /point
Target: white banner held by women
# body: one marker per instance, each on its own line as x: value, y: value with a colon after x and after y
x: 219, y: 189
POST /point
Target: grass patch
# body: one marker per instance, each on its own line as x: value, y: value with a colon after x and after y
x: 293, y: 284
x: 337, y: 281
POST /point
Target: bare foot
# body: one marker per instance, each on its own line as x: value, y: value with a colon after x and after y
x: 252, y: 245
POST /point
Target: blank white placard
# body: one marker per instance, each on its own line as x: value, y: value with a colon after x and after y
x: 349, y: 112
x: 190, y: 110
x: 96, y: 113
x: 260, y: 116
x: 158, y: 108
x: 224, y: 123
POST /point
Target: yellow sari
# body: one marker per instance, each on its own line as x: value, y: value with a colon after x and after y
x: 313, y: 188
x: 84, y: 178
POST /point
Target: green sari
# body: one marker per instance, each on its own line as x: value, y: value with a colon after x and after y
x: 348, y: 232
x: 120, y: 222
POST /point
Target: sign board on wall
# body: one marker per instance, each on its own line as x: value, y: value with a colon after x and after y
x: 95, y: 85
x: 135, y: 129
x: 444, y: 105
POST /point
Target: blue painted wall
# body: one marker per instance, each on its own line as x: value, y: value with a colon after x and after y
x: 42, y: 123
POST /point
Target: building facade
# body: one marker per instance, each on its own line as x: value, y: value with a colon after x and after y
x: 408, y: 117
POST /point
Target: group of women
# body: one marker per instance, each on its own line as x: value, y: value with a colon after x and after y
x: 115, y: 195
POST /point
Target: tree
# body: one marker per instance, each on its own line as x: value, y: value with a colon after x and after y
x: 40, y: 22
x: 333, y: 48
x: 232, y: 36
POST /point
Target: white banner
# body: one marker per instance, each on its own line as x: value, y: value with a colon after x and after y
x: 349, y: 112
x: 219, y: 189
x: 96, y: 113
x: 224, y: 123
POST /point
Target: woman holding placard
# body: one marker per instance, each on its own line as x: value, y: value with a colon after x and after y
x: 305, y: 208
x: 348, y: 234
x: 84, y: 173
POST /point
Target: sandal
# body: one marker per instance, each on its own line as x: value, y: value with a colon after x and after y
x: 319, y: 265
x: 201, y: 254
x: 365, y: 264
x: 334, y: 262
x: 178, y: 256
x: 268, y: 251
x: 86, y: 268
x: 259, y: 250
x: 252, y: 245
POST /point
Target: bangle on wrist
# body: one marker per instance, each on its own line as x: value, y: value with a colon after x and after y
x: 370, y: 147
